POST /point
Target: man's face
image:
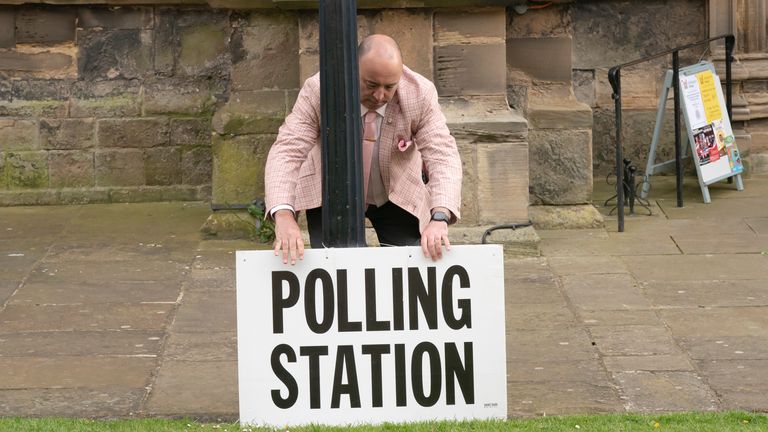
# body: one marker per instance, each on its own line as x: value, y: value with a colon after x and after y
x: 378, y: 80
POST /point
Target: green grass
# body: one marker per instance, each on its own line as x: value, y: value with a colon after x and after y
x: 687, y: 422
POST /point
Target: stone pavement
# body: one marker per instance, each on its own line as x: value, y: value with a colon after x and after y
x: 121, y: 310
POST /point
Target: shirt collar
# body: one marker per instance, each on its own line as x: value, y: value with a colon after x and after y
x: 381, y: 111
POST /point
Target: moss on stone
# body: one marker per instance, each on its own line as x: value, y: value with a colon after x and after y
x: 27, y: 170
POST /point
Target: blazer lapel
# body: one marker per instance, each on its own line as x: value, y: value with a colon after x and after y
x: 386, y: 142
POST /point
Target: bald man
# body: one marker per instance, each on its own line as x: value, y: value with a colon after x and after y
x: 405, y: 141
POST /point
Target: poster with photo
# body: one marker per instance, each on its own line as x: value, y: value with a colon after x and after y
x: 712, y: 141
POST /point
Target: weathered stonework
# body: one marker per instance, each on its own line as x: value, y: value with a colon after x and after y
x: 27, y: 170
x: 162, y: 166
x: 130, y: 133
x: 64, y: 134
x: 238, y: 167
x: 120, y: 167
x: 71, y: 169
x: 18, y: 134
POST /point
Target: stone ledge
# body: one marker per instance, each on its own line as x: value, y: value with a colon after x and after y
x: 566, y: 217
x: 68, y: 196
x: 229, y: 225
x: 488, y: 118
x: 280, y: 4
x: 567, y: 114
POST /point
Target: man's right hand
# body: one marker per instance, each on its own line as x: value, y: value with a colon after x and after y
x: 288, y: 236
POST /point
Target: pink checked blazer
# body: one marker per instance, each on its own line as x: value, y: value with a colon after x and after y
x: 293, y: 172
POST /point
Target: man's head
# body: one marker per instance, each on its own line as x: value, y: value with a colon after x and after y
x: 381, y: 66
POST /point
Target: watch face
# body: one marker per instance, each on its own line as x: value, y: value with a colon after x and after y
x: 440, y: 216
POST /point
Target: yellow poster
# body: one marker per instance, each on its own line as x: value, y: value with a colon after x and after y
x: 709, y: 96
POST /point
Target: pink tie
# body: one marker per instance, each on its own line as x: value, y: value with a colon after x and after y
x: 369, y: 141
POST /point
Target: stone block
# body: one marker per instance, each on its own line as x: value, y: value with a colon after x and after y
x: 71, y: 169
x: 552, y: 21
x: 196, y: 165
x: 456, y: 71
x: 181, y: 97
x: 35, y: 25
x: 412, y: 29
x: 561, y: 166
x: 470, y: 211
x: 21, y: 63
x: 115, y: 18
x: 191, y: 42
x: 112, y: 98
x: 640, y: 87
x: 64, y: 134
x: 191, y: 132
x: 251, y: 112
x: 18, y: 134
x: 238, y: 168
x: 229, y: 225
x: 129, y: 54
x: 265, y: 53
x: 203, y: 50
x: 41, y: 89
x: 136, y: 132
x: 559, y: 115
x: 479, y: 26
x: 7, y: 28
x: 21, y: 108
x: 153, y: 194
x: 27, y: 170
x: 502, y: 171
x: 547, y: 59
x: 584, y: 86
x: 162, y: 166
x: 119, y: 167
x: 566, y: 217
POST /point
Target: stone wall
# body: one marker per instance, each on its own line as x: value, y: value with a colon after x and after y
x: 102, y: 104
x: 583, y: 40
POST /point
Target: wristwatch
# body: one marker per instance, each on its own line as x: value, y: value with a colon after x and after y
x: 440, y: 217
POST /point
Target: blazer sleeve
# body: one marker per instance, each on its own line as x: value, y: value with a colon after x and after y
x: 295, y: 139
x: 440, y: 155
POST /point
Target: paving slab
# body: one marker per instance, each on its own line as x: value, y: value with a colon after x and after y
x: 699, y: 267
x: 198, y: 389
x: 209, y: 346
x: 596, y: 233
x: 716, y: 322
x: 225, y: 282
x: 205, y: 311
x: 544, y: 370
x: 107, y: 402
x: 532, y: 290
x: 81, y: 343
x: 713, y: 293
x: 625, y: 244
x: 649, y: 363
x: 676, y: 227
x: 665, y: 392
x: 555, y: 345
x: 751, y: 207
x: 741, y: 384
x: 539, y: 317
x: 23, y: 318
x: 568, y: 266
x: 715, y: 243
x: 559, y: 398
x: 82, y: 372
x: 726, y: 348
x: 618, y: 317
x: 607, y: 291
x: 40, y: 291
x: 635, y: 340
x: 758, y: 225
x: 525, y: 268
x: 107, y: 272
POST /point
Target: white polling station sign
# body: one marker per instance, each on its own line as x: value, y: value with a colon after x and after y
x: 371, y: 335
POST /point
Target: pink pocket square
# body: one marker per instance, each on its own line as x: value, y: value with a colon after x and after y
x: 403, y: 145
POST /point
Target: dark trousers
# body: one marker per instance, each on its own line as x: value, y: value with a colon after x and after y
x: 394, y: 226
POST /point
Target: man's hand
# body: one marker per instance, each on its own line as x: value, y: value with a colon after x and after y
x: 288, y: 237
x: 433, y: 238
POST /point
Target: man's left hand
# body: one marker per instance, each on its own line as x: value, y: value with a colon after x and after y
x: 433, y: 238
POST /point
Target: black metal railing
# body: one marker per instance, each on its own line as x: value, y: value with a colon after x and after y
x: 614, y: 77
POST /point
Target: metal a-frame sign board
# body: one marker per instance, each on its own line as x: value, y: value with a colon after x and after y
x: 713, y: 145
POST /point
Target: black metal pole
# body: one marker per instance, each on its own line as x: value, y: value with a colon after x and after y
x: 730, y: 41
x: 342, y: 210
x: 614, y: 77
x: 678, y: 153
